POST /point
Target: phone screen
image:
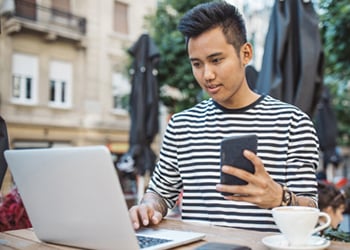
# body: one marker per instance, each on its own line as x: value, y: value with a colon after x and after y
x: 232, y: 154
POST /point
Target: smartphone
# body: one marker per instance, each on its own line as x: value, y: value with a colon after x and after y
x: 221, y: 246
x: 231, y: 153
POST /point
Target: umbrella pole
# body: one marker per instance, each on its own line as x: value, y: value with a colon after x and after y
x: 140, y: 187
x: 330, y: 172
x: 142, y: 183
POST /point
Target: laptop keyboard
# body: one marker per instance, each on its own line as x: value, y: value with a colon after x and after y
x: 149, y: 241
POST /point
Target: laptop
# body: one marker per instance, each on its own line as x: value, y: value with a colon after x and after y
x: 73, y: 197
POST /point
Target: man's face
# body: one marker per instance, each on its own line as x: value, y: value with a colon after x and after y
x: 218, y: 69
x: 336, y: 215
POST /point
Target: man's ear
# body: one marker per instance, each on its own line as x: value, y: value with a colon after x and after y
x: 246, y: 53
x: 328, y: 209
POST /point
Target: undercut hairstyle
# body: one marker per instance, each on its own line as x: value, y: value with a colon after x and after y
x: 207, y: 16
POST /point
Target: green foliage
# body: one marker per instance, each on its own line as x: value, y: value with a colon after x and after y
x: 335, y: 29
x: 174, y: 67
x: 336, y: 235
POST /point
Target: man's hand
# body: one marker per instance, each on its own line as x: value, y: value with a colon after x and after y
x: 261, y: 189
x: 151, y: 210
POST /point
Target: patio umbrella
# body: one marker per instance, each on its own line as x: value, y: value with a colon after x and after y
x: 327, y: 129
x: 292, y: 66
x: 143, y: 103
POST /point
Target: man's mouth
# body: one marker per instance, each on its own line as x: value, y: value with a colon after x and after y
x: 213, y: 88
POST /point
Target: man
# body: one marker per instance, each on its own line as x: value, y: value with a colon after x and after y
x: 332, y: 201
x: 287, y: 155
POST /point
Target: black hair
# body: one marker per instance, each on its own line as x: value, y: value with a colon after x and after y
x: 210, y: 15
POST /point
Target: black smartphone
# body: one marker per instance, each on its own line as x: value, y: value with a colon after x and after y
x: 221, y: 246
x: 231, y: 153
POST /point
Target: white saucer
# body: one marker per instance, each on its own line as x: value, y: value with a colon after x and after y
x: 279, y: 242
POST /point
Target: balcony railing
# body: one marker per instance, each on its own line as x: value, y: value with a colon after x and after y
x: 52, y: 21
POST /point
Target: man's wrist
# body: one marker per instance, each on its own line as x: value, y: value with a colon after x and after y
x: 291, y: 199
x: 288, y: 197
x: 156, y: 202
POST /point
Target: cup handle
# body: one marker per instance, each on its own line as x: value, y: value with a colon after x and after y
x: 324, y: 225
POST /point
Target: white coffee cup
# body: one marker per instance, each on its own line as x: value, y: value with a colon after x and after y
x: 297, y: 223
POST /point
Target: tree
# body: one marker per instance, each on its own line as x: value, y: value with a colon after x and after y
x: 179, y: 89
x: 335, y: 27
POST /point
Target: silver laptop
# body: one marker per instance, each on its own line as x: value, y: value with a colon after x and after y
x: 73, y: 197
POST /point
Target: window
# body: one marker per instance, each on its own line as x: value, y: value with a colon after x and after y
x: 24, y: 78
x: 62, y: 5
x: 121, y: 91
x: 61, y: 13
x: 26, y: 9
x: 121, y: 17
x: 60, y: 82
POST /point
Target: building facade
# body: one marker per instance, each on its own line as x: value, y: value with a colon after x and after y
x: 62, y: 70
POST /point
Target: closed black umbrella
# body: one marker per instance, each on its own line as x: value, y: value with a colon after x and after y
x: 327, y: 129
x: 292, y: 67
x: 4, y: 145
x: 143, y: 103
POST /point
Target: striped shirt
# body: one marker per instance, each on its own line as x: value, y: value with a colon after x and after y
x: 190, y: 159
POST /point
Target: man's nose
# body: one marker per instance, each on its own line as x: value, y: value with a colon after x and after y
x: 208, y: 73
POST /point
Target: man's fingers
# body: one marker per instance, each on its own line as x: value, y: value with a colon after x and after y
x: 258, y: 165
x: 141, y: 214
x: 240, y: 173
x: 156, y: 218
x: 133, y: 213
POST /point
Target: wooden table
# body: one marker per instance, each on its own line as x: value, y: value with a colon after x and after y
x: 26, y: 239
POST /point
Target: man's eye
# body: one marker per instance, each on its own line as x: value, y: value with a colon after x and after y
x: 216, y: 60
x: 196, y: 64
